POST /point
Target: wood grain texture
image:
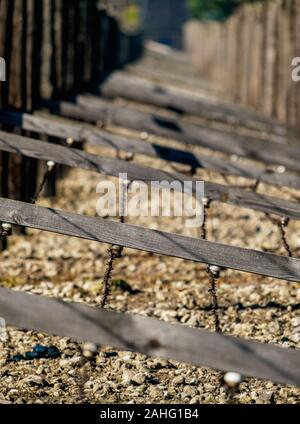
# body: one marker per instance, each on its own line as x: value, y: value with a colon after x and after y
x: 107, y: 166
x: 57, y: 128
x: 121, y: 84
x: 168, y: 244
x: 93, y: 109
x: 150, y: 336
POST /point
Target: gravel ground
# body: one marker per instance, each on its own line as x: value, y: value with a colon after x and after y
x: 253, y: 307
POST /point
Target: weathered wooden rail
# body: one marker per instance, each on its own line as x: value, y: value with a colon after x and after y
x: 13, y: 143
x: 93, y: 109
x: 57, y: 128
x: 150, y: 336
x: 144, y: 91
x: 135, y: 237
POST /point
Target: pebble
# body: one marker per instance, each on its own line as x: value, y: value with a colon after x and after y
x: 126, y: 378
x: 178, y: 380
x: 189, y: 391
x: 209, y: 387
x: 296, y: 322
x: 138, y: 379
x: 76, y: 360
x: 295, y: 338
x: 34, y: 380
x: 191, y: 380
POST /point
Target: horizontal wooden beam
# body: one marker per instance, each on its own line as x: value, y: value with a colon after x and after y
x: 76, y: 158
x: 142, y: 90
x: 135, y: 237
x: 58, y: 128
x: 93, y: 109
x: 150, y: 336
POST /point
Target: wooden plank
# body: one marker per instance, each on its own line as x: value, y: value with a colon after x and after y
x: 105, y: 139
x: 158, y: 75
x: 150, y: 336
x: 108, y: 166
x: 93, y: 109
x: 142, y: 90
x: 193, y: 249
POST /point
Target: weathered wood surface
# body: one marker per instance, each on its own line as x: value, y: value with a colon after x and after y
x: 157, y: 75
x: 135, y: 237
x: 142, y: 90
x: 256, y: 43
x: 108, y: 166
x: 150, y: 336
x: 93, y: 109
x: 57, y: 128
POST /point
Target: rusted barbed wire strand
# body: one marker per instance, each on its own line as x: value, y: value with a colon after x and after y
x: 206, y: 207
x: 213, y: 277
x: 50, y: 169
x: 212, y: 272
x: 114, y: 252
x: 226, y: 178
x: 282, y: 224
x: 255, y: 186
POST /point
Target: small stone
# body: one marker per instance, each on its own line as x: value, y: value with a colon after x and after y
x: 295, y: 338
x: 191, y: 380
x: 296, y: 322
x: 195, y: 400
x: 34, y: 380
x: 189, y: 391
x: 132, y: 268
x: 3, y: 401
x: 267, y: 395
x: 138, y: 379
x: 178, y: 380
x: 209, y: 387
x: 274, y: 327
x: 70, y: 362
x: 126, y: 379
